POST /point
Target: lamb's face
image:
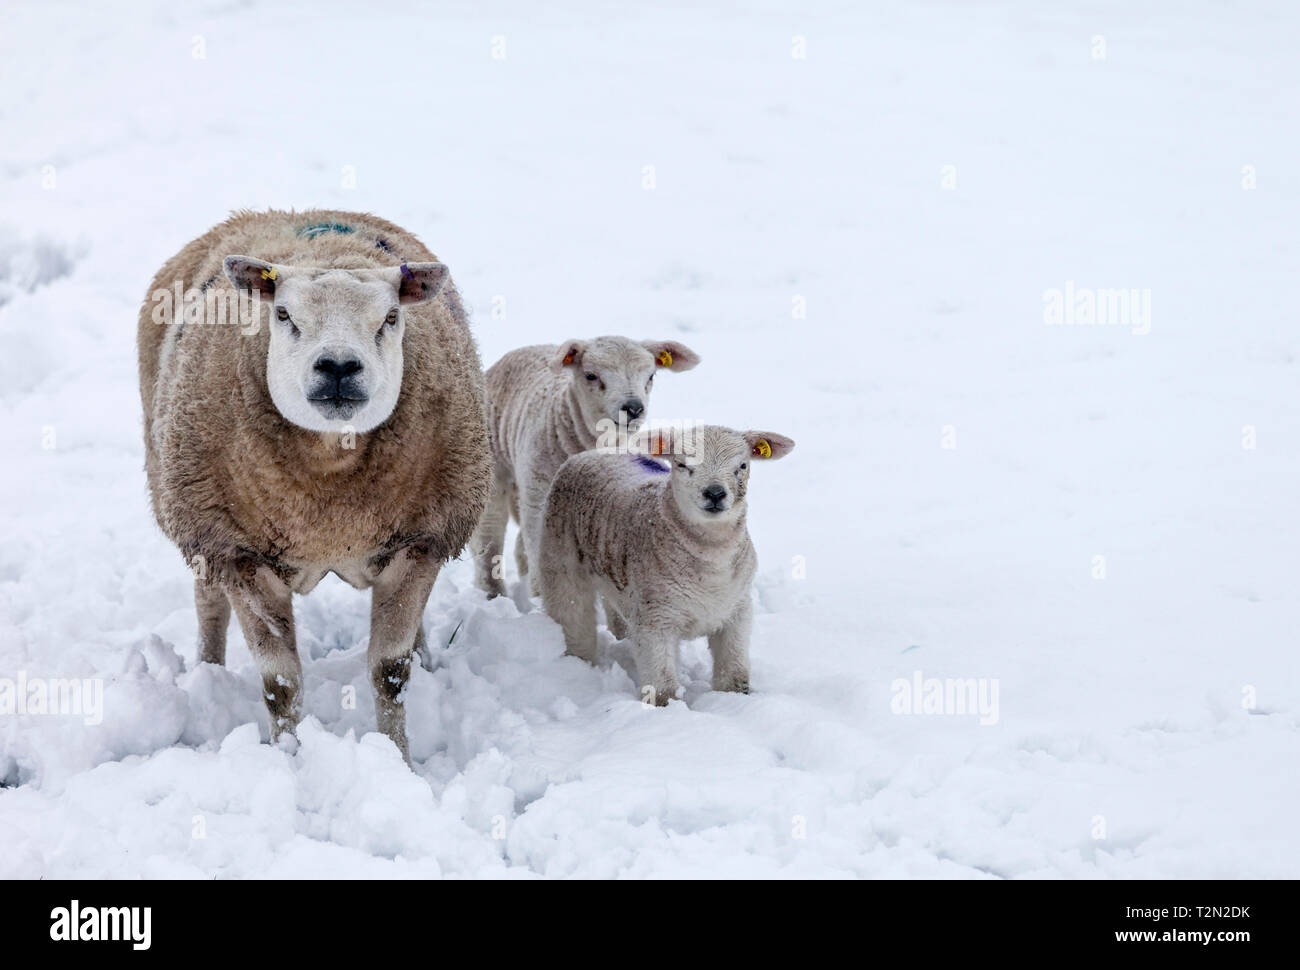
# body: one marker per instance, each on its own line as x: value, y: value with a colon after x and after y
x: 334, y: 359
x: 710, y: 468
x: 613, y: 376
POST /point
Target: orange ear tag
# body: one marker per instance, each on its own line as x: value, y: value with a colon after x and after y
x: 665, y: 359
x: 762, y: 448
x: 269, y: 274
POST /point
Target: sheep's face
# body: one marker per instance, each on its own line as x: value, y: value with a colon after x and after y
x: 334, y: 359
x: 711, y: 465
x: 613, y: 376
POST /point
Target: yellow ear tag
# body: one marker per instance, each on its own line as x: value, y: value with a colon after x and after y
x: 665, y: 359
x: 269, y: 274
x: 762, y: 448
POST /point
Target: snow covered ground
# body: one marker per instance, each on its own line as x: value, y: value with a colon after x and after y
x: 857, y: 214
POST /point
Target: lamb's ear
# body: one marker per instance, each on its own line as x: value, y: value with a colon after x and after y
x: 247, y: 273
x: 418, y: 282
x: 764, y: 445
x: 568, y: 354
x: 670, y: 355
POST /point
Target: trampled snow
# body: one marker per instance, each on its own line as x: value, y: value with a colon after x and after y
x: 867, y: 220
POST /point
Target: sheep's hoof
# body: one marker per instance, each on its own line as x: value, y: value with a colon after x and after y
x: 734, y: 685
x: 285, y: 740
x: 586, y: 653
x: 660, y: 694
x: 491, y: 585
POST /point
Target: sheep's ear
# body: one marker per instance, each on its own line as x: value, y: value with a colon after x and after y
x: 568, y: 354
x: 418, y: 282
x: 247, y: 273
x: 764, y: 445
x: 670, y: 355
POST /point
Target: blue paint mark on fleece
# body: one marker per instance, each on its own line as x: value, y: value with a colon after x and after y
x: 320, y: 228
x: 650, y: 465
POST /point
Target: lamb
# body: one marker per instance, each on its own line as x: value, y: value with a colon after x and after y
x: 338, y: 427
x: 666, y: 549
x: 544, y: 404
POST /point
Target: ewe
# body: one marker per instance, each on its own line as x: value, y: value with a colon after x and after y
x: 336, y: 426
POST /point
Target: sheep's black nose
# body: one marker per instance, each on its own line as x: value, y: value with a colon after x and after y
x: 715, y: 493
x: 338, y: 369
x: 633, y: 409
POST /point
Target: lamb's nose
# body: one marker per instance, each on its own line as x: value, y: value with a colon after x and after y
x: 715, y: 493
x: 633, y: 409
x: 338, y: 369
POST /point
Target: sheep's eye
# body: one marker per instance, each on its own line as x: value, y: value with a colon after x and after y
x: 743, y: 465
x: 682, y: 466
x: 282, y: 315
x: 590, y: 376
x: 391, y: 319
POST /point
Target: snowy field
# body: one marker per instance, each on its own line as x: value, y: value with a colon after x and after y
x: 861, y: 216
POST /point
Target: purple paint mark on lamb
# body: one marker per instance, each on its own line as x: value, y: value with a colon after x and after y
x: 650, y: 465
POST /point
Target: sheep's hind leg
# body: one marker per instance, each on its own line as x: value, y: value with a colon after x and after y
x: 396, y: 608
x: 614, y: 620
x: 521, y: 554
x: 264, y: 608
x: 213, y: 608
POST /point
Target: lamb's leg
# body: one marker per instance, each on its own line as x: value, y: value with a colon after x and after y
x: 614, y: 620
x: 213, y: 608
x: 568, y: 598
x: 396, y: 606
x: 489, y: 537
x: 521, y: 554
x: 730, y: 649
x: 264, y: 607
x: 531, y: 523
x: 656, y: 664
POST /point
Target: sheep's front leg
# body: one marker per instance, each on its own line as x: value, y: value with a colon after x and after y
x: 656, y: 664
x: 730, y: 649
x: 213, y: 608
x: 489, y: 537
x: 396, y: 607
x: 570, y: 600
x: 568, y: 595
x: 264, y: 607
x: 532, y: 521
